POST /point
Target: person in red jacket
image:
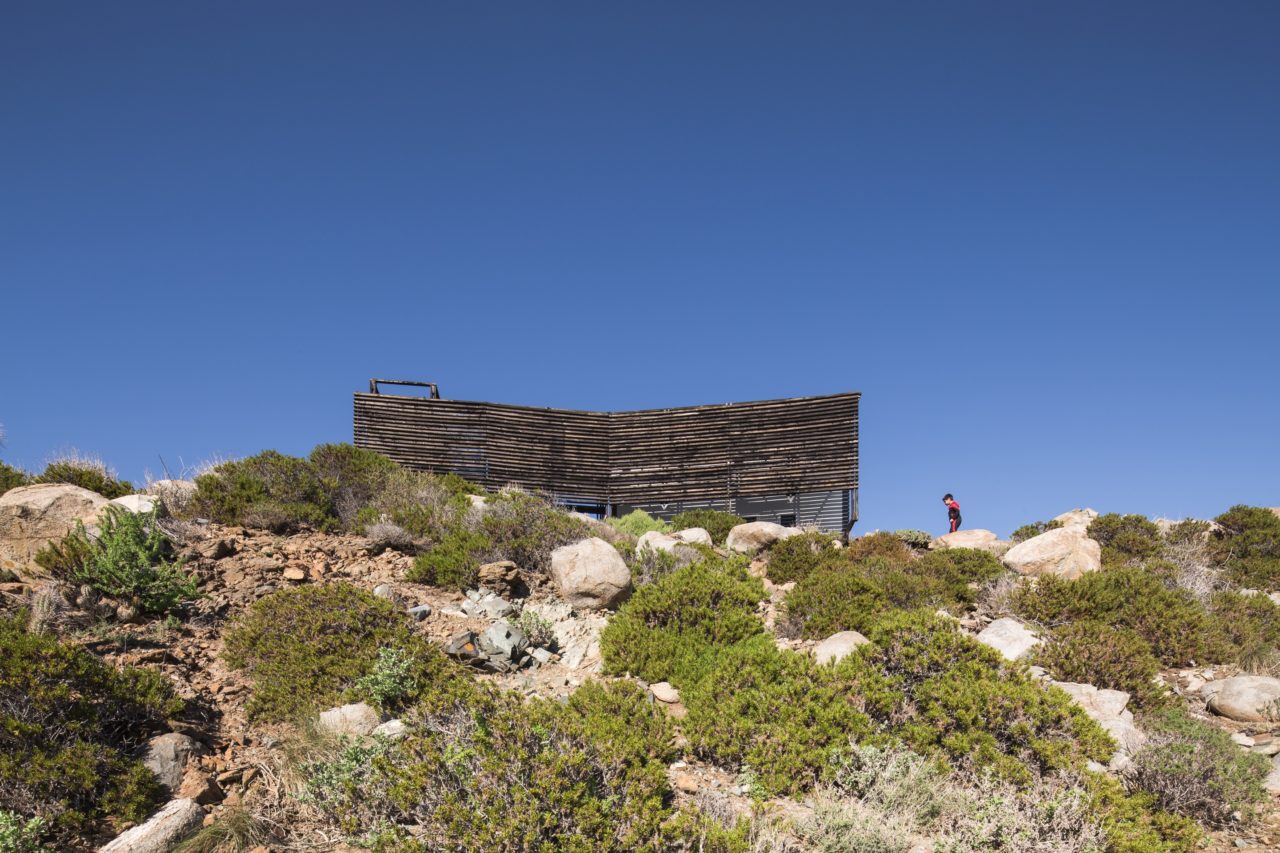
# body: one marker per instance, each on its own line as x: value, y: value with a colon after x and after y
x: 953, y: 511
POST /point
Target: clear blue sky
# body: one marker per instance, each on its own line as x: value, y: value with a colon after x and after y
x: 1042, y: 239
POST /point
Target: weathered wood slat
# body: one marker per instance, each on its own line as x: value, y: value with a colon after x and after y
x: 805, y: 444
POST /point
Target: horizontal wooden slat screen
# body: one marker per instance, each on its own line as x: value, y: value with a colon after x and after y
x: 801, y: 444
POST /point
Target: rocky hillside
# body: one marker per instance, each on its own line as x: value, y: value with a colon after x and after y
x: 332, y: 653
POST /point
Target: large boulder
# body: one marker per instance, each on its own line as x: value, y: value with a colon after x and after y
x: 33, y: 516
x: 590, y: 573
x: 978, y: 539
x: 1065, y: 552
x: 1077, y: 518
x: 694, y: 536
x: 756, y: 535
x: 1009, y: 637
x: 162, y: 832
x: 837, y: 647
x: 657, y: 541
x: 1108, y: 708
x: 1247, y: 698
x: 167, y: 757
x: 137, y: 503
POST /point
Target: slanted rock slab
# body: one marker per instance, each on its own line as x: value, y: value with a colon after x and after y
x: 757, y: 535
x: 590, y: 573
x: 1247, y: 698
x: 137, y: 503
x: 1009, y: 637
x: 33, y: 516
x: 1065, y: 552
x: 837, y: 647
x: 983, y: 540
x: 1077, y: 518
x: 162, y: 831
x: 694, y: 536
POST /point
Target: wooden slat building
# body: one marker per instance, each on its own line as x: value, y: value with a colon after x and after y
x: 792, y: 460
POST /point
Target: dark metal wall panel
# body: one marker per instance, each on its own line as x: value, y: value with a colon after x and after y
x: 699, y: 453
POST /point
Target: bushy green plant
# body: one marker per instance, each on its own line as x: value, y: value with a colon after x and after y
x: 1134, y: 823
x: 12, y: 478
x: 128, y: 560
x: 270, y: 489
x: 526, y: 529
x: 960, y: 701
x: 1178, y: 627
x: 305, y: 645
x: 1251, y: 624
x: 918, y: 539
x: 453, y: 561
x: 21, y: 835
x: 1125, y: 538
x: 350, y: 477
x: 537, y: 629
x: 1104, y: 655
x: 1035, y: 528
x: 1196, y: 770
x: 504, y: 775
x: 715, y: 522
x: 1247, y: 542
x: 638, y: 522
x: 69, y: 728
x: 881, y: 544
x: 798, y: 557
x: 780, y: 713
x: 391, y: 679
x: 672, y: 629
x: 87, y: 473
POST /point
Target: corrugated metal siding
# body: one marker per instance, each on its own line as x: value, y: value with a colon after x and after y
x: 701, y: 454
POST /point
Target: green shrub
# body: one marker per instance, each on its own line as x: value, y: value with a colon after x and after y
x: 1188, y: 530
x: 672, y: 629
x: 19, y: 834
x: 1248, y: 544
x: 128, y: 561
x: 961, y: 702
x: 1035, y: 528
x: 1178, y: 627
x: 453, y: 561
x: 638, y: 522
x: 270, y: 490
x: 87, y: 473
x: 961, y: 570
x: 526, y: 529
x: 1106, y: 656
x: 715, y: 522
x: 780, y: 713
x: 917, y: 539
x: 1195, y: 769
x: 502, y: 775
x: 885, y: 545
x: 1251, y: 624
x: 12, y: 478
x: 391, y: 679
x: 69, y: 726
x: 305, y: 645
x: 1125, y: 538
x: 1133, y: 823
x: 537, y: 630
x: 691, y: 829
x: 799, y: 556
x: 350, y: 477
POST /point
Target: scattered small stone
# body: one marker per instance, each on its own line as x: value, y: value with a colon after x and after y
x: 355, y: 719
x: 293, y: 573
x: 686, y: 783
x: 385, y: 590
x: 392, y: 730
x: 420, y: 612
x: 664, y: 692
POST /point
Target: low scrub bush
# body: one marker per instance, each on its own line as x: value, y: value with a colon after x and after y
x: 128, y: 560
x: 87, y: 472
x: 715, y: 522
x: 798, y: 557
x: 392, y: 678
x: 303, y: 647
x: 269, y: 490
x: 526, y: 529
x: 672, y: 629
x: 1251, y: 624
x: 1035, y: 528
x: 350, y: 478
x: 69, y: 727
x: 1134, y: 823
x: 917, y: 539
x: 1106, y: 656
x: 1195, y: 769
x: 638, y: 522
x: 780, y: 713
x: 453, y: 561
x: 1178, y: 627
x: 1248, y: 544
x: 959, y: 701
x: 1125, y: 538
x: 12, y: 478
x: 885, y: 545
x: 21, y: 835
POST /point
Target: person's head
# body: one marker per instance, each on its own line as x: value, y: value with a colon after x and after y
x: 947, y: 498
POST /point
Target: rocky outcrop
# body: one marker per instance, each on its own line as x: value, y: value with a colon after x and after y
x: 1246, y: 698
x: 33, y: 516
x: 137, y: 503
x: 162, y: 831
x: 1065, y: 552
x: 590, y: 573
x: 694, y: 536
x: 1077, y: 518
x: 837, y: 647
x: 1009, y: 637
x: 756, y: 535
x: 1109, y: 708
x: 978, y: 539
x: 353, y: 720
